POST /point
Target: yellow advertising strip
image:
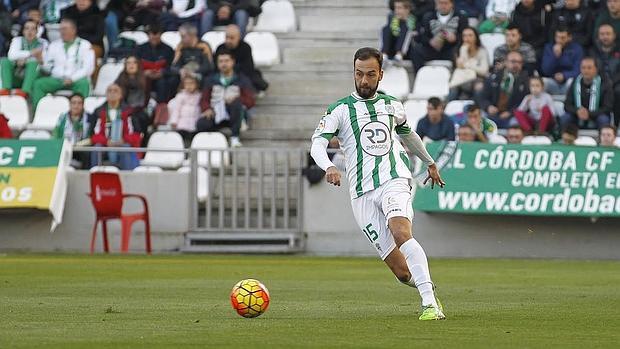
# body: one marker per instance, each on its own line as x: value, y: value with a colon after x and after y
x: 26, y: 187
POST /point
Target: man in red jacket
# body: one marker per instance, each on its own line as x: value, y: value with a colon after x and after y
x: 112, y: 125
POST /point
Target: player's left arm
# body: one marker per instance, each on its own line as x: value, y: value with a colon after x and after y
x: 414, y: 143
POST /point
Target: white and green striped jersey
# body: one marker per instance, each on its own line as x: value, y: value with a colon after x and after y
x: 366, y: 130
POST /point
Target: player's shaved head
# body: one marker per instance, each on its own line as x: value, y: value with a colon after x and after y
x: 367, y: 64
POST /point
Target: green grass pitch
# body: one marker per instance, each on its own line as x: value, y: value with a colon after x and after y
x: 180, y: 301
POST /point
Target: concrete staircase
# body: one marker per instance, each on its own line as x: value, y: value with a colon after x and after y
x: 316, y: 68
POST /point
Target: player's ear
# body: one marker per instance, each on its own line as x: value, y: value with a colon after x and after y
x: 380, y: 75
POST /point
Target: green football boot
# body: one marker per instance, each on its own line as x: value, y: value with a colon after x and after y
x: 430, y: 312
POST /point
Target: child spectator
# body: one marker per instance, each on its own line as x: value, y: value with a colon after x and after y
x: 184, y: 109
x: 535, y: 113
x: 399, y: 32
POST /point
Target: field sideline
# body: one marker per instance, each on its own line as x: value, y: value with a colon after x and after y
x: 181, y: 301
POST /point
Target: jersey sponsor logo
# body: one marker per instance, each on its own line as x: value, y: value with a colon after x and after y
x: 376, y: 138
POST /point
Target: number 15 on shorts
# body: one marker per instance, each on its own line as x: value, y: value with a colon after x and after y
x: 370, y: 233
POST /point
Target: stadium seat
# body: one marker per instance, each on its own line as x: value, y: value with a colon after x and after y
x: 491, y: 41
x: 171, y: 39
x: 108, y: 169
x: 456, y: 106
x: 440, y: 63
x: 586, y: 141
x: 558, y: 108
x: 497, y: 139
x: 276, y: 17
x: 150, y: 169
x: 93, y: 102
x: 35, y: 134
x: 139, y: 37
x: 15, y: 108
x: 214, y: 39
x: 48, y: 112
x: 617, y: 142
x: 536, y: 140
x: 431, y: 82
x: 164, y: 140
x: 265, y: 50
x: 415, y: 110
x: 395, y: 82
x: 214, y: 141
x: 107, y: 197
x: 107, y: 75
x: 203, y: 182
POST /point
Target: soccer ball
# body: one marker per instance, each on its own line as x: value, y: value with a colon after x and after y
x: 249, y: 298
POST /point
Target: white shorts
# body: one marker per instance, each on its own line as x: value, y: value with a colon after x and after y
x: 373, y: 210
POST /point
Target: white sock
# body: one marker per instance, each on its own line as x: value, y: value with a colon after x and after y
x: 418, y: 266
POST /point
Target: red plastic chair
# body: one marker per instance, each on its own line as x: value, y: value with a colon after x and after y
x: 106, y: 194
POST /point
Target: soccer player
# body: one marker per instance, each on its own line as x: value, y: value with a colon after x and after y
x: 366, y: 124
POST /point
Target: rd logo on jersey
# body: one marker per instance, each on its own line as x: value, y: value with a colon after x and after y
x: 376, y: 138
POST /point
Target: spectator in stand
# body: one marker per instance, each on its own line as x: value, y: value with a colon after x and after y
x: 504, y: 90
x: 607, y: 136
x: 89, y: 21
x: 589, y: 100
x: 191, y: 57
x: 112, y: 125
x: 115, y: 13
x: 52, y: 9
x: 535, y: 113
x: 70, y: 62
x: 607, y: 55
x: 19, y: 9
x: 6, y: 23
x: 569, y: 134
x: 466, y: 133
x: 73, y: 126
x: 34, y: 14
x: 243, y: 57
x: 532, y: 20
x: 578, y: 18
x: 560, y: 62
x: 472, y: 66
x: 481, y: 126
x: 227, y: 12
x: 473, y: 9
x: 156, y: 58
x: 514, y: 43
x: 438, y: 34
x: 182, y: 12
x: 498, y: 13
x: 144, y: 13
x: 435, y: 125
x: 224, y: 97
x: 399, y: 32
x: 514, y: 134
x: 419, y: 8
x: 5, y: 130
x: 184, y: 109
x: 611, y: 16
x: 21, y: 67
x: 136, y: 93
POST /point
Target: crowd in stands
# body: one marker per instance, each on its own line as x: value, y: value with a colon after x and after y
x: 190, y: 88
x: 549, y: 51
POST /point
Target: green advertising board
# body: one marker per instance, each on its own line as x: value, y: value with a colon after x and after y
x: 551, y: 180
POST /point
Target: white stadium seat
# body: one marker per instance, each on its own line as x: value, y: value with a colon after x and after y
x: 491, y: 41
x: 536, y: 140
x: 48, y: 111
x: 138, y: 36
x: 431, y: 82
x: 214, y: 39
x: 265, y: 49
x: 558, y: 108
x: 440, y: 63
x: 497, y: 139
x: 276, y: 17
x: 93, y: 102
x: 35, y: 134
x: 107, y: 75
x: 456, y: 107
x: 415, y: 110
x: 202, y: 189
x: 171, y: 39
x: 214, y: 141
x: 108, y: 169
x: 617, y: 142
x: 15, y: 108
x: 395, y: 82
x: 164, y: 140
x: 149, y: 169
x: 585, y: 141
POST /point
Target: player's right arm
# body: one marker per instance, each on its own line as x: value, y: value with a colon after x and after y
x: 328, y: 128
